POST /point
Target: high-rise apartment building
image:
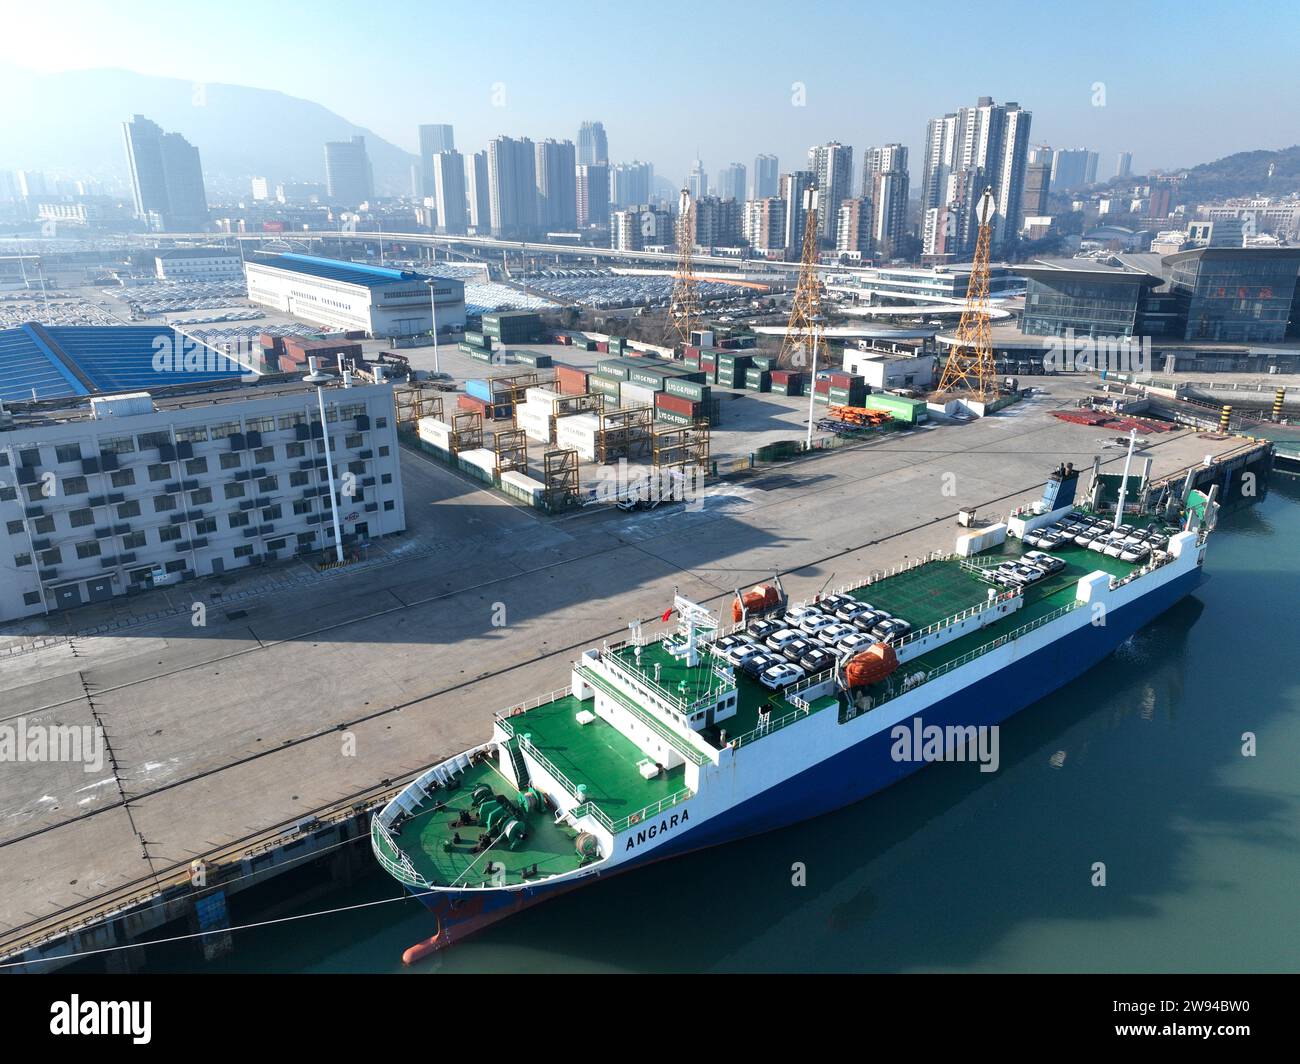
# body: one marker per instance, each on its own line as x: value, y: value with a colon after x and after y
x: 592, y: 192
x: 348, y: 177
x: 557, y: 197
x: 990, y: 144
x: 1124, y: 164
x: 853, y: 228
x: 718, y: 222
x: 448, y: 169
x: 630, y: 183
x: 166, y: 177
x: 793, y: 186
x: 886, y: 183
x: 593, y: 148
x: 1038, y: 186
x: 512, y: 186
x: 731, y: 182
x: 433, y: 139
x: 1073, y: 168
x: 477, y: 195
x: 763, y: 224
x: 832, y: 168
x: 697, y: 181
x: 767, y: 177
x: 640, y: 226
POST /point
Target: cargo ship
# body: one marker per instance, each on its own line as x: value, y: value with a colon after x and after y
x: 724, y: 727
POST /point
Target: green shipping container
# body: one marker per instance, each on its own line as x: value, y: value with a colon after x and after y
x: 671, y: 417
x: 765, y: 361
x: 531, y: 358
x: 758, y: 380
x: 603, y: 385
x: 695, y: 390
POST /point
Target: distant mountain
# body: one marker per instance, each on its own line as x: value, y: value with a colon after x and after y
x: 73, y: 121
x: 1247, y: 173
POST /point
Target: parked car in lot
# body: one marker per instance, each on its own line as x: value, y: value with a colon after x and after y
x: 781, y: 638
x: 813, y: 623
x: 794, y: 652
x: 1042, y: 560
x: 739, y: 653
x: 818, y: 660
x: 833, y: 633
x: 891, y: 631
x: 854, y: 610
x: 726, y: 642
x: 760, y: 630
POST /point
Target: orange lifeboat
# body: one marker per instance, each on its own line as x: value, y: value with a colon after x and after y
x: 756, y: 600
x: 870, y: 666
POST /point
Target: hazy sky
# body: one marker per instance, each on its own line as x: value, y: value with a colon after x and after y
x: 1180, y: 83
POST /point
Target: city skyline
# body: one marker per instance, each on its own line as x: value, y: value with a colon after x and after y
x: 1077, y: 98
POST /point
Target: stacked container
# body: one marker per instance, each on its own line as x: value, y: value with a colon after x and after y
x: 787, y: 382
x: 578, y: 431
x: 678, y: 410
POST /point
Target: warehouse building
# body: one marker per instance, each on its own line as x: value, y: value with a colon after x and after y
x: 198, y: 264
x: 108, y: 495
x: 353, y: 296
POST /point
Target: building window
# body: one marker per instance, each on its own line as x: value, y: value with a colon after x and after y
x: 260, y: 424
x: 81, y: 518
x: 302, y: 506
x: 234, y: 491
x: 271, y: 513
x: 230, y: 460
x: 74, y: 486
x: 89, y: 549
x: 224, y: 430
x: 168, y: 534
x: 122, y: 478
x: 160, y: 471
x: 298, y: 479
x: 275, y: 544
x: 192, y: 434
x: 15, y: 528
x: 388, y: 504
x: 8, y: 494
x: 200, y: 496
x: 352, y: 441
x: 237, y: 520
x: 31, y: 598
x: 118, y: 445
x: 175, y: 566
x: 52, y: 556
x: 133, y: 541
x: 244, y: 550
x: 294, y: 450
x: 22, y: 560
x: 263, y: 455
x: 68, y: 452
x: 206, y: 526
x: 29, y: 457
x: 195, y: 466
x: 268, y: 484
x: 162, y: 503
x: 288, y: 421
x: 128, y: 509
x: 383, y: 452
x: 153, y: 440
x: 386, y: 478
x: 381, y: 422
x: 44, y: 525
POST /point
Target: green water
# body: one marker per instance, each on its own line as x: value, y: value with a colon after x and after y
x: 1138, y: 765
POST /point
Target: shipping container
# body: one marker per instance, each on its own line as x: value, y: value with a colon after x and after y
x: 513, y: 326
x: 631, y: 394
x: 688, y: 387
x: 764, y: 361
x: 572, y: 381
x: 599, y: 385
x: 758, y: 380
x: 536, y: 359
x: 523, y: 488
x: 909, y: 411
x: 679, y: 405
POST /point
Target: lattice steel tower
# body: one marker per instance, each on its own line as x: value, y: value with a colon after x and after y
x: 685, y: 305
x: 805, y: 312
x: 970, y: 363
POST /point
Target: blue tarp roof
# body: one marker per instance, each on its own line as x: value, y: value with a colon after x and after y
x: 335, y: 269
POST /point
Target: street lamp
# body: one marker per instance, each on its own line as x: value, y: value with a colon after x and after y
x: 320, y: 379
x: 433, y: 313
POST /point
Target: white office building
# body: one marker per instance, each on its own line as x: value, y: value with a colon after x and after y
x: 118, y: 494
x: 353, y: 296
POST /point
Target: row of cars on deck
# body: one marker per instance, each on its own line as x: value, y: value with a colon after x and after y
x: 1133, y: 545
x: 781, y: 649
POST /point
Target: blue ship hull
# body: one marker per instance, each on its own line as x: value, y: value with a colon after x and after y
x: 852, y: 774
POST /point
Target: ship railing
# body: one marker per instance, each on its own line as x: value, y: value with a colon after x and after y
x: 794, y: 695
x: 877, y: 575
x: 634, y: 677
x: 918, y: 677
x: 399, y: 868
x: 674, y: 739
x: 783, y: 721
x: 519, y: 708
x: 589, y: 808
x: 957, y: 618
